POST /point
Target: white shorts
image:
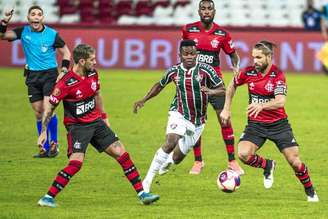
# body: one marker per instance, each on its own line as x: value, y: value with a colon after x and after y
x: 177, y: 124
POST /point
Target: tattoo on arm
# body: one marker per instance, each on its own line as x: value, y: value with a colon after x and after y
x: 47, y: 114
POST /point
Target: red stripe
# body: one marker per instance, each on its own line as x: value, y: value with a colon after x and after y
x: 138, y: 186
x: 61, y: 180
x: 190, y: 99
x: 133, y: 175
x: 53, y: 190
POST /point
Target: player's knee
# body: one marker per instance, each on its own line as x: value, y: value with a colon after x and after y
x: 170, y: 145
x: 177, y: 158
x: 244, y: 156
x: 38, y: 114
x: 295, y: 162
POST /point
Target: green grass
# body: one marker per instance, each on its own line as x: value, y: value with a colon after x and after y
x: 100, y: 190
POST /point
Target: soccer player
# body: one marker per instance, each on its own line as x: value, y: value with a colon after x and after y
x: 210, y: 38
x: 267, y: 118
x: 39, y: 45
x: 86, y: 122
x: 195, y: 83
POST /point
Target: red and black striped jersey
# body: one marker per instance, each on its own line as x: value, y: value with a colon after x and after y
x: 209, y: 43
x: 78, y: 96
x: 189, y: 100
x: 262, y: 89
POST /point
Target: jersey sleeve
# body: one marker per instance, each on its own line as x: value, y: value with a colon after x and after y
x: 280, y: 85
x: 18, y: 31
x: 213, y: 80
x: 59, y: 42
x: 184, y: 34
x: 167, y: 77
x: 239, y: 79
x: 58, y: 93
x: 228, y: 46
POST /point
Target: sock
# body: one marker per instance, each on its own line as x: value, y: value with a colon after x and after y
x: 39, y: 127
x: 53, y: 128
x: 303, y: 175
x: 158, y: 160
x: 229, y: 140
x: 256, y: 161
x: 198, y: 150
x: 130, y: 171
x: 63, y: 177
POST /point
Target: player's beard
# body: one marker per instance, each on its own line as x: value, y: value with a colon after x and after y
x: 261, y: 68
x: 207, y: 21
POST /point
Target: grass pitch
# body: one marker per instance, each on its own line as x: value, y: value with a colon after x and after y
x: 100, y: 189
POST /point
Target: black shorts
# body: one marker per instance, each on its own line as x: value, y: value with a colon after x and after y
x: 217, y: 102
x: 40, y: 83
x: 279, y: 132
x: 97, y: 133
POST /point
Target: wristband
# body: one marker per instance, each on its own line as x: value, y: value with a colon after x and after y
x: 3, y: 28
x: 65, y: 63
x: 104, y: 115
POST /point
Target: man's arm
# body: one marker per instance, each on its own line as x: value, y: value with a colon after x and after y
x: 101, y: 108
x: 155, y: 90
x: 64, y: 51
x: 235, y: 61
x: 46, y: 117
x: 4, y: 33
x: 255, y: 108
x: 225, y: 115
x: 218, y: 91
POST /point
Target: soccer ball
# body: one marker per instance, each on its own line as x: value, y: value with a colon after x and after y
x: 228, y: 181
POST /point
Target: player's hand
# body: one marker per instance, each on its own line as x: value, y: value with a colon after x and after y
x: 225, y: 116
x: 106, y: 121
x: 8, y: 15
x: 63, y: 71
x: 254, y: 109
x: 42, y: 140
x: 207, y: 91
x: 235, y: 70
x: 138, y: 105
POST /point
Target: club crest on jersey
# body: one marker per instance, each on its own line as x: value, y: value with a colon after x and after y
x: 273, y: 74
x: 71, y: 81
x: 173, y: 126
x: 177, y: 79
x: 56, y: 92
x: 199, y: 78
x: 78, y: 94
x: 269, y: 86
x: 215, y: 43
x: 94, y: 86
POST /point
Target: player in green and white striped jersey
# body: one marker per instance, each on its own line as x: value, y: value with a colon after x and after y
x: 195, y: 82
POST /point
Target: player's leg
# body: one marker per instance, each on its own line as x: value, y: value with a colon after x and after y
x: 301, y: 171
x: 78, y: 138
x: 199, y: 163
x: 227, y: 135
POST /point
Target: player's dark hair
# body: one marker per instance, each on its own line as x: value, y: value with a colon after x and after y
x: 210, y: 1
x: 82, y: 51
x: 35, y: 7
x: 185, y: 43
x: 267, y: 47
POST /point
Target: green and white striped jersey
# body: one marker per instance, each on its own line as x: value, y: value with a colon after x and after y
x: 189, y: 100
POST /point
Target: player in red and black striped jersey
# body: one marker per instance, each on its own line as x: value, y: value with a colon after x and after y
x: 86, y: 122
x: 210, y: 39
x: 267, y: 118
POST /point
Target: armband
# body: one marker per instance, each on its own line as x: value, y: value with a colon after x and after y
x: 3, y: 28
x: 65, y: 63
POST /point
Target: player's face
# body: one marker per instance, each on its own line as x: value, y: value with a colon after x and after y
x: 206, y: 12
x: 261, y: 61
x: 90, y: 62
x: 35, y: 19
x: 188, y: 56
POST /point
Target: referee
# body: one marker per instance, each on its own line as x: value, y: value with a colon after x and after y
x: 41, y: 70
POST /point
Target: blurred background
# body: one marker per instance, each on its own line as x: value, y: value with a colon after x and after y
x: 145, y: 33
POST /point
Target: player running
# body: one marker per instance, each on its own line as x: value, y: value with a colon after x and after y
x: 40, y: 43
x: 267, y: 118
x: 195, y: 83
x: 86, y: 122
x: 210, y: 39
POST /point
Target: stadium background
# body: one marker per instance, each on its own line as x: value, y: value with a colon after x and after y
x: 133, y: 49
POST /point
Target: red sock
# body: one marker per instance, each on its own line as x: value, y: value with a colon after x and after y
x: 198, y: 150
x: 130, y: 171
x: 303, y: 175
x: 229, y: 140
x: 256, y: 161
x: 64, y: 176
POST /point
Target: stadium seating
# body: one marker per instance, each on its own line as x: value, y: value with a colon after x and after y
x: 275, y: 13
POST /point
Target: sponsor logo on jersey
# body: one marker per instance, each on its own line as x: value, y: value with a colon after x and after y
x: 91, y: 73
x: 258, y: 99
x: 273, y: 74
x: 71, y: 81
x: 251, y: 73
x: 85, y: 107
x: 56, y: 92
x: 78, y: 94
x: 219, y: 33
x: 77, y: 145
x: 194, y: 30
x: 94, y: 85
x: 205, y: 58
x: 269, y: 86
x: 173, y: 126
x: 215, y: 43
